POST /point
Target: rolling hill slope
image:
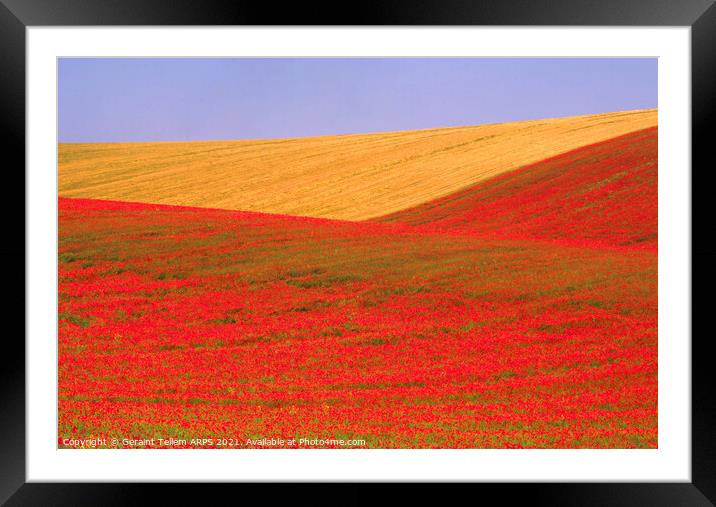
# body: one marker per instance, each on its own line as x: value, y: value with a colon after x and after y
x: 605, y: 193
x: 351, y: 177
x: 198, y: 323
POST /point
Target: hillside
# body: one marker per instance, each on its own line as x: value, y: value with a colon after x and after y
x: 602, y: 193
x: 197, y: 323
x: 352, y: 177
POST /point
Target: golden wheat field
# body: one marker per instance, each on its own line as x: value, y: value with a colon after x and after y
x: 351, y: 177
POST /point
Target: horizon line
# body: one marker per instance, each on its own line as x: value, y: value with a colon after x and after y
x: 349, y: 134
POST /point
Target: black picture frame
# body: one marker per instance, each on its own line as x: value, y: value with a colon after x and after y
x: 17, y: 15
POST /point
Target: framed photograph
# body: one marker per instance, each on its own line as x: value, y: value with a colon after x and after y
x: 448, y: 244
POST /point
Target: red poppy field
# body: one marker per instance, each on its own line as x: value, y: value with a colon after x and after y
x: 520, y: 312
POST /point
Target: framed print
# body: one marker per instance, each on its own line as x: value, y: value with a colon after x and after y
x: 448, y: 244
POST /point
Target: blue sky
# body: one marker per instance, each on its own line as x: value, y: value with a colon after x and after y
x: 105, y: 100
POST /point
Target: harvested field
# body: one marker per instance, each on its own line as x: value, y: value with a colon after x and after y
x: 352, y: 177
